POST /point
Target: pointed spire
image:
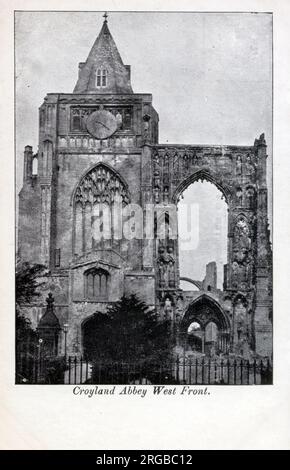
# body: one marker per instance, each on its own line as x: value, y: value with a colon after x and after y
x: 104, y: 71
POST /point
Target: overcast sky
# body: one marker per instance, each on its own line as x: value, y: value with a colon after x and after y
x: 210, y: 73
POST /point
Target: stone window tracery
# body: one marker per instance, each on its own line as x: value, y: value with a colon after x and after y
x: 97, y: 198
x: 78, y: 118
x: 96, y: 284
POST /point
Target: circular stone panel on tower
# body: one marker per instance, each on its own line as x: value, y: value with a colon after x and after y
x: 101, y: 124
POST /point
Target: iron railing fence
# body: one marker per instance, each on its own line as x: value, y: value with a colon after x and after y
x: 37, y: 369
x: 181, y: 370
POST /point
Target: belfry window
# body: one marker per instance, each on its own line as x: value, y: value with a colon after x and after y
x: 96, y: 284
x: 101, y: 78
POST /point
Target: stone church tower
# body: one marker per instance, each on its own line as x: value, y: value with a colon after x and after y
x: 98, y: 147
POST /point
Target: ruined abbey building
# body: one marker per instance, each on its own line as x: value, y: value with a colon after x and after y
x: 99, y: 144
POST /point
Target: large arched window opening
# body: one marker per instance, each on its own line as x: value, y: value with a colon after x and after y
x: 202, y: 230
x: 97, y: 204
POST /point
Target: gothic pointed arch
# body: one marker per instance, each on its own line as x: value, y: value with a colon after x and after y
x: 101, y: 183
x: 241, y: 216
x: 100, y: 192
x: 206, y: 322
x: 203, y: 310
x: 201, y: 175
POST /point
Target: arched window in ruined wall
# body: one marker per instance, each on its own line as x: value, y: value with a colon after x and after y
x: 34, y: 166
x: 98, y: 201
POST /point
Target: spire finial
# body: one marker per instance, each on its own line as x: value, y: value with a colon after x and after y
x: 105, y: 15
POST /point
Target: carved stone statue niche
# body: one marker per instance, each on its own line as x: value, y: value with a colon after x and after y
x: 242, y: 263
x: 239, y: 194
x: 168, y: 309
x: 250, y: 168
x: 241, y: 329
x: 166, y: 266
x: 239, y: 165
x: 242, y: 234
x: 250, y: 198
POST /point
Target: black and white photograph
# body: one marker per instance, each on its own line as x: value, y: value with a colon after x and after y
x: 143, y: 198
x: 144, y: 230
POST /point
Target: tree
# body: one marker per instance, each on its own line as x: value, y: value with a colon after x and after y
x: 26, y: 289
x: 27, y: 282
x: 133, y: 333
x: 96, y: 339
x: 133, y: 345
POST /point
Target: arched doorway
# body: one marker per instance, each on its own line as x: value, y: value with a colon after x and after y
x: 205, y: 327
x: 94, y: 336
